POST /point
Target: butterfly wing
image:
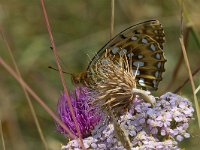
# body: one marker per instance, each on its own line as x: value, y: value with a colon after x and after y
x: 142, y: 45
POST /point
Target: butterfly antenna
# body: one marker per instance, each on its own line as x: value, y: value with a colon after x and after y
x: 50, y: 67
x: 61, y: 60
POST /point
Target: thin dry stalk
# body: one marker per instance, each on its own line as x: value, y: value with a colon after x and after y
x: 191, y: 78
x: 190, y: 21
x: 36, y: 97
x: 61, y: 74
x: 197, y: 89
x: 120, y: 132
x: 186, y: 38
x: 180, y: 60
x: 112, y: 18
x: 2, y: 137
x: 26, y: 94
x: 186, y: 81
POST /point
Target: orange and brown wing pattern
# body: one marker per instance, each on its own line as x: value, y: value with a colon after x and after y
x: 142, y: 45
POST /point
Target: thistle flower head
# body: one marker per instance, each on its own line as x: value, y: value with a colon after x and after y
x: 85, y: 114
x: 116, y: 86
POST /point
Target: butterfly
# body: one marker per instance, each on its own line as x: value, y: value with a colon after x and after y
x: 142, y: 45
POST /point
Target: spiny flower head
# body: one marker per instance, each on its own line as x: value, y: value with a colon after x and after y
x: 116, y: 87
x: 85, y: 113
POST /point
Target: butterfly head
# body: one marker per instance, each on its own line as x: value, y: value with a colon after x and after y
x: 79, y: 78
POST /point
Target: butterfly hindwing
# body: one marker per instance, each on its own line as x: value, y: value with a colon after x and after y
x: 142, y: 45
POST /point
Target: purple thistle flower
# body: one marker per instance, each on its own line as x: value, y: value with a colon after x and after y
x: 86, y: 115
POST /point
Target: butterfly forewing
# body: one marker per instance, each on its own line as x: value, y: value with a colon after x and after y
x: 142, y: 45
x: 152, y: 28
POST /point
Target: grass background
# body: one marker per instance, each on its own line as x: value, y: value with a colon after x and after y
x: 80, y: 29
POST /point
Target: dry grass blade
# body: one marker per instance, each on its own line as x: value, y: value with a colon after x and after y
x: 189, y: 20
x: 191, y: 79
x: 187, y: 80
x: 36, y: 97
x: 2, y: 137
x: 120, y: 132
x: 180, y: 60
x: 197, y: 89
x: 61, y: 74
x: 26, y: 93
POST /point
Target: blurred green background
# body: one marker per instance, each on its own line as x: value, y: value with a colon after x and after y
x: 80, y: 29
